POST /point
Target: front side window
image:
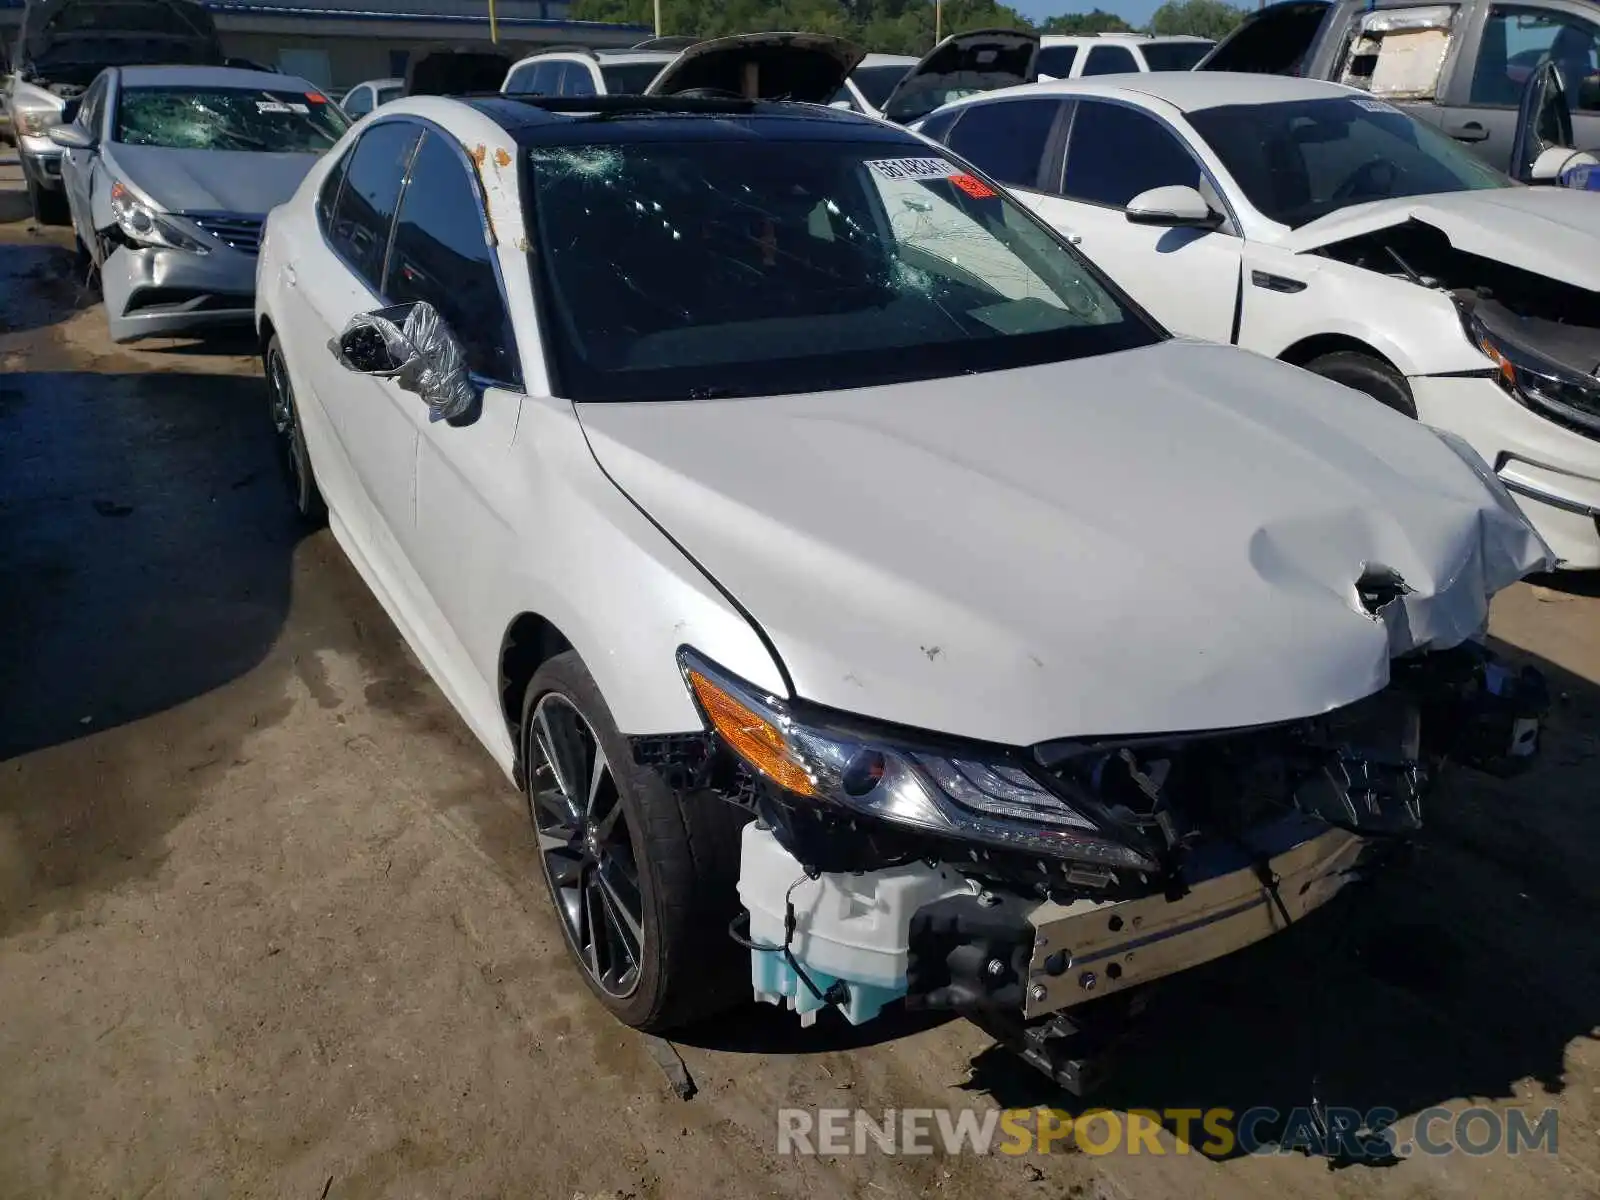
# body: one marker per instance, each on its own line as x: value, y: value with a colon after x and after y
x: 1301, y: 160
x: 441, y: 254
x: 386, y: 94
x: 1116, y: 152
x: 1517, y: 41
x: 1056, y: 61
x: 578, y: 81
x: 675, y: 270
x: 1173, y: 56
x: 1109, y: 60
x: 208, y: 118
x: 1007, y: 138
x: 366, y: 204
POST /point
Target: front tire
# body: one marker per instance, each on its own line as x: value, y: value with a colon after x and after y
x: 644, y: 881
x: 293, y: 455
x: 1368, y: 374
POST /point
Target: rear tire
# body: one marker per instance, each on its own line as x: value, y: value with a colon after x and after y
x: 293, y: 454
x: 49, y: 207
x: 1368, y: 374
x: 672, y: 861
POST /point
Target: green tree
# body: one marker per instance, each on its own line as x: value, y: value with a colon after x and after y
x: 1081, y: 24
x: 1202, y: 18
x: 887, y: 26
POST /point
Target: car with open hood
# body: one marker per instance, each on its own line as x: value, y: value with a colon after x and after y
x: 64, y: 44
x: 964, y: 64
x: 854, y: 580
x: 169, y: 174
x: 1314, y: 223
x: 1458, y: 66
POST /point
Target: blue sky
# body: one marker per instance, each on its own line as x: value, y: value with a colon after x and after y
x: 1134, y: 12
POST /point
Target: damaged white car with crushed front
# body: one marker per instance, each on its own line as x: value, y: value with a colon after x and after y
x: 872, y: 602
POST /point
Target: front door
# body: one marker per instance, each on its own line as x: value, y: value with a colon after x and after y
x: 1188, y: 279
x: 372, y: 418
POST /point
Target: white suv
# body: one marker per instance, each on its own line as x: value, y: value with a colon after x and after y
x: 1062, y: 57
x: 582, y: 71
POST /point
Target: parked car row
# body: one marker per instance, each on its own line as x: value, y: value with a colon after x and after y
x: 818, y: 521
x: 872, y: 599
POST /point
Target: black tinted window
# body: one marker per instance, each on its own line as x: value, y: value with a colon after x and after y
x: 1109, y: 60
x: 938, y: 125
x: 358, y: 103
x: 1007, y: 138
x: 441, y: 255
x: 1116, y: 152
x: 1174, y: 56
x: 1057, y: 60
x: 877, y: 82
x: 328, y: 194
x: 629, y: 79
x: 360, y: 231
x: 577, y: 81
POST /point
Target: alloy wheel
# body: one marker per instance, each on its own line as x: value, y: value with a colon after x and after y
x: 586, y: 845
x: 285, y: 422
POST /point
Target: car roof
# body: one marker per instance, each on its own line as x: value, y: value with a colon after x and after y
x: 531, y: 123
x: 1191, y: 91
x: 217, y: 77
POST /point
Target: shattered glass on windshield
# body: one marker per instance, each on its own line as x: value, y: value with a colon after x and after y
x: 691, y: 268
x: 179, y: 118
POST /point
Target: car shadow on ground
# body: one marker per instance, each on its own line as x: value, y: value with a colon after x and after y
x: 40, y: 285
x: 1465, y: 968
x: 146, y: 542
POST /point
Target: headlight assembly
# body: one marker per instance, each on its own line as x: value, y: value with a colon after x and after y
x: 1535, y: 381
x: 144, y: 226
x: 982, y: 796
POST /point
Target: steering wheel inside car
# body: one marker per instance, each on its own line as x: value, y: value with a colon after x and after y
x: 1363, y: 182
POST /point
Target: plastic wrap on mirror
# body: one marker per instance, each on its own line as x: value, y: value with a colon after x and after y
x: 411, y: 344
x: 440, y: 374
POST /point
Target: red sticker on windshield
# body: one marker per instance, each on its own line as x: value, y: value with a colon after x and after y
x: 972, y: 186
x: 316, y: 97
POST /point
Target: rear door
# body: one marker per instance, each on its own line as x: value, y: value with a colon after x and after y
x: 1504, y: 44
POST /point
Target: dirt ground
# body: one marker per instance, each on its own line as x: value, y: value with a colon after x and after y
x: 270, y: 923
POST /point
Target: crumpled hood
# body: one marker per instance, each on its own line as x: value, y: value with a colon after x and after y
x: 1549, y: 231
x: 1158, y: 540
x: 233, y: 181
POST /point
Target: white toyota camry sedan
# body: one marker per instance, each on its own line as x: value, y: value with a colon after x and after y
x: 852, y: 577
x: 1314, y: 223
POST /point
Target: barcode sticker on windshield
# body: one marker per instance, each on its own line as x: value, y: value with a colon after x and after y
x: 271, y: 106
x: 302, y: 109
x: 912, y: 168
x: 1377, y: 106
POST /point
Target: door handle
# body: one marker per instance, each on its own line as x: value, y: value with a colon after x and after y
x: 290, y: 279
x: 1469, y: 131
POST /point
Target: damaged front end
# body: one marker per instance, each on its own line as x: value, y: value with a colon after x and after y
x: 1010, y: 884
x: 1541, y: 332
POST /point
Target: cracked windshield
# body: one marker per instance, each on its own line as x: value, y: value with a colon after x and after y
x: 783, y: 267
x: 228, y: 119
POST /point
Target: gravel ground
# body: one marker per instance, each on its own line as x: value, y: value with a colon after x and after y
x: 270, y: 923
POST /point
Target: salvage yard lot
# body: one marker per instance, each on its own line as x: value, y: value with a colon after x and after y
x: 271, y: 923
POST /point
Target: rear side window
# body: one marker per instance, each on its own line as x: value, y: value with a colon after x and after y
x: 1007, y: 138
x: 441, y: 254
x: 1109, y: 60
x: 936, y: 126
x: 1116, y: 152
x: 578, y: 81
x: 1057, y: 60
x: 361, y: 220
x: 328, y: 195
x: 358, y: 103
